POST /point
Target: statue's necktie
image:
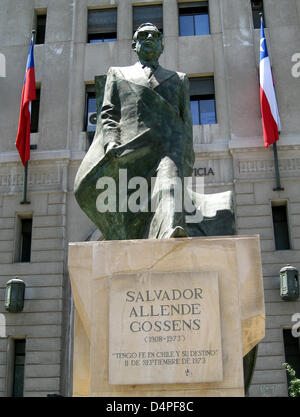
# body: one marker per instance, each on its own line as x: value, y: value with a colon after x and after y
x: 149, y: 70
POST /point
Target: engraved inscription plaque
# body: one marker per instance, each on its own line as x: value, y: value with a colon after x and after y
x: 164, y: 328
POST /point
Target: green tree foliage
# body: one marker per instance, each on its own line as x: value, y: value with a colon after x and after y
x: 294, y: 385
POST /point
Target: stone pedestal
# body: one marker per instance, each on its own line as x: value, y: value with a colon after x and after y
x: 169, y: 317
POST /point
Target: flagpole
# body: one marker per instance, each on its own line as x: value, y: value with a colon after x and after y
x: 276, y: 163
x: 25, y: 201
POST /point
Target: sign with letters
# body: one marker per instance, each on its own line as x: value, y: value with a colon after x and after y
x: 164, y: 328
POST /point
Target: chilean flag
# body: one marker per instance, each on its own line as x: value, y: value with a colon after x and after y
x: 28, y: 94
x: 268, y: 104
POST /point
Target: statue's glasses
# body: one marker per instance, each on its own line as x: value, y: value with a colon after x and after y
x: 143, y: 35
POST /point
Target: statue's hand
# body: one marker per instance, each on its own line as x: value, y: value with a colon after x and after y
x: 111, y: 145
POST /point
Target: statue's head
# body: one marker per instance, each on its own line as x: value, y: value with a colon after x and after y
x: 148, y: 42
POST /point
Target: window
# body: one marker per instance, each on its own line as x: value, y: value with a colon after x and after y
x: 35, y: 111
x: 93, y: 106
x: 102, y: 25
x: 18, y: 369
x: 292, y: 352
x: 148, y: 14
x: 280, y: 226
x: 23, y: 241
x: 257, y: 8
x: 26, y: 231
x: 202, y: 101
x: 90, y: 119
x: 40, y: 28
x: 194, y: 19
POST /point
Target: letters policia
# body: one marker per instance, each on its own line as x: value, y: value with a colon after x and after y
x: 145, y: 129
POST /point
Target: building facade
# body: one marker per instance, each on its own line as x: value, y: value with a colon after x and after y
x: 216, y: 43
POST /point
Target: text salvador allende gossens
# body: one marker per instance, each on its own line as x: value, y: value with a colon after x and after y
x: 166, y: 305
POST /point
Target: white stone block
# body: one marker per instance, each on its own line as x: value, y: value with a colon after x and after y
x: 40, y: 293
x: 47, y: 232
x: 43, y: 358
x: 243, y: 199
x: 43, y: 344
x: 42, y: 371
x: 47, y: 255
x: 45, y: 384
x: 270, y: 349
x: 47, y: 221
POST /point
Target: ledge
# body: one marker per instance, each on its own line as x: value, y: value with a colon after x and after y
x: 211, y: 148
x: 13, y: 156
x: 257, y: 143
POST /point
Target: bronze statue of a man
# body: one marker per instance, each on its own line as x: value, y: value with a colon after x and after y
x: 144, y: 131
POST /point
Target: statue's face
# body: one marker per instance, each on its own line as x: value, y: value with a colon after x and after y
x: 148, y: 43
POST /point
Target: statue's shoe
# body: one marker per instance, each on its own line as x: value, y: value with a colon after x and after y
x: 178, y: 231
